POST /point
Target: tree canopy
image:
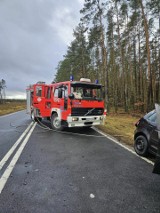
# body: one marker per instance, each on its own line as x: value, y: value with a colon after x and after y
x: 118, y: 43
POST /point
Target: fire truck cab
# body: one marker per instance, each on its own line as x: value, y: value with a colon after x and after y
x: 67, y: 104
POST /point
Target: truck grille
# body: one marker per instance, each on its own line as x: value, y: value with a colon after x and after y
x: 86, y: 111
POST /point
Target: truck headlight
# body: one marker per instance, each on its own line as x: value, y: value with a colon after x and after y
x: 75, y: 119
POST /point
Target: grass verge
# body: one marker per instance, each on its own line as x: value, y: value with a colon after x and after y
x: 120, y: 126
x: 11, y: 106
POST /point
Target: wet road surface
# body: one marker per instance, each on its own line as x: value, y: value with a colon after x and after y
x: 77, y: 170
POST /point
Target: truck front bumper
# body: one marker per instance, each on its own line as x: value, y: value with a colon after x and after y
x: 80, y: 121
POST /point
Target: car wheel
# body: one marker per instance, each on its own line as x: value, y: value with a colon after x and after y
x: 141, y: 146
x: 56, y: 122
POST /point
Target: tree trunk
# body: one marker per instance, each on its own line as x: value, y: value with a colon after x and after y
x: 150, y: 84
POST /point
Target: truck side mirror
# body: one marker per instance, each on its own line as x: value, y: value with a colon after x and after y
x: 71, y: 96
x: 65, y: 87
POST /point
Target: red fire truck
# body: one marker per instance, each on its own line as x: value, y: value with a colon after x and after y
x: 67, y: 104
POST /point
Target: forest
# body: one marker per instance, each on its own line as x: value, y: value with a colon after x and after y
x: 118, y: 43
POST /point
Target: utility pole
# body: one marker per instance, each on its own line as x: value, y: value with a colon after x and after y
x: 2, y: 90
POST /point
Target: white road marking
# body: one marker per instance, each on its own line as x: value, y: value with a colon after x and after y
x: 9, y: 153
x: 125, y: 147
x: 14, y: 160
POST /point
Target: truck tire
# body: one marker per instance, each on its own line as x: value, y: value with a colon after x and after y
x: 35, y: 118
x: 56, y: 122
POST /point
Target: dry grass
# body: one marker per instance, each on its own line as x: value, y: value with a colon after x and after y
x: 12, y: 106
x: 121, y: 126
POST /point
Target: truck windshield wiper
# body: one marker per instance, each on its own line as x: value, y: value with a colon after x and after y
x: 89, y: 111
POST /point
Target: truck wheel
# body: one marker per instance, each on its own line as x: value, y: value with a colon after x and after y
x: 33, y: 116
x: 141, y: 146
x: 56, y: 122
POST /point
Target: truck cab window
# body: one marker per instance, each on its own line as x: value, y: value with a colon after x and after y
x: 56, y: 93
x: 39, y: 91
x: 65, y: 92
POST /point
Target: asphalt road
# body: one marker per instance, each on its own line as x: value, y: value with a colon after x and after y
x: 74, y: 171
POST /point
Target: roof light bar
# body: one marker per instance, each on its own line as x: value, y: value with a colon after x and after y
x: 85, y: 80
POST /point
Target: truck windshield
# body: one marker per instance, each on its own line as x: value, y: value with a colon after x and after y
x: 87, y: 91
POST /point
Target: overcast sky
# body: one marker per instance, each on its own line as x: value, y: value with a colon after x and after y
x: 34, y: 35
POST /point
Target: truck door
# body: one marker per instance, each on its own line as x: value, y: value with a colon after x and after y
x: 48, y: 91
x: 65, y: 101
x: 61, y: 99
x: 65, y: 96
x: 38, y: 100
x: 37, y: 96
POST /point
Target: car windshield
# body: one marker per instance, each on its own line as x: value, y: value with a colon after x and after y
x: 151, y: 116
x: 86, y: 91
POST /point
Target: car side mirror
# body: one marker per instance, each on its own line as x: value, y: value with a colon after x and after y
x: 71, y: 96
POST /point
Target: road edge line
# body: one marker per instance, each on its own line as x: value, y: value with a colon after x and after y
x: 122, y: 145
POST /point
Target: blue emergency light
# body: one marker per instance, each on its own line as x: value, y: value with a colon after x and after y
x: 71, y: 77
x: 96, y: 81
